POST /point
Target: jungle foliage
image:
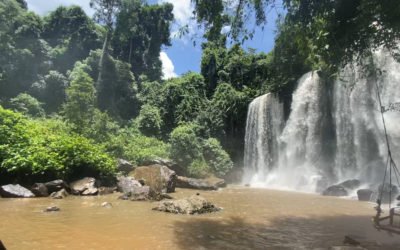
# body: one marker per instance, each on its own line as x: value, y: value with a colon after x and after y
x: 78, y: 92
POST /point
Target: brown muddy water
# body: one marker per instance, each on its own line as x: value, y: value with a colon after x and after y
x: 251, y: 219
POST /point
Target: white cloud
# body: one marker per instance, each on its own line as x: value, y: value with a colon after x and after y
x: 168, y: 66
x: 226, y: 29
x: 42, y: 7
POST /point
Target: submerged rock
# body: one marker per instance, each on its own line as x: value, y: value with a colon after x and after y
x: 106, y: 205
x: 85, y: 186
x: 169, y: 164
x: 40, y: 190
x: 192, y: 205
x: 62, y: 194
x: 124, y: 166
x: 158, y: 177
x: 144, y: 193
x: 15, y: 191
x: 52, y: 209
x: 184, y: 182
x: 350, y: 184
x: 335, y: 190
x: 364, y: 194
x: 107, y: 190
x: 127, y: 184
x: 57, y: 185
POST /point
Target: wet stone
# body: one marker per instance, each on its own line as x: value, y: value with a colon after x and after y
x: 192, y: 205
x: 15, y: 191
x: 52, y: 209
x: 106, y: 205
x: 39, y: 190
x: 62, y: 194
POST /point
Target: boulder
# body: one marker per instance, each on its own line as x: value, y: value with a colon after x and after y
x: 62, y: 194
x: 192, y: 205
x: 107, y: 190
x: 350, y: 184
x: 184, y: 182
x: 364, y: 194
x: 124, y: 166
x: 127, y: 184
x: 106, y: 205
x: 335, y: 190
x: 52, y: 209
x: 39, y: 190
x: 158, y: 177
x: 386, y: 194
x: 15, y: 191
x: 144, y: 193
x: 216, y: 182
x: 169, y: 164
x: 57, y: 185
x: 85, y: 186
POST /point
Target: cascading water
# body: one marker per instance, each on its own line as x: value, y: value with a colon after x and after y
x: 288, y: 155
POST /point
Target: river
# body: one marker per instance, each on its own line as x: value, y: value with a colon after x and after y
x: 252, y: 218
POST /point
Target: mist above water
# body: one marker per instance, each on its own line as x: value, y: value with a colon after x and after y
x: 334, y: 133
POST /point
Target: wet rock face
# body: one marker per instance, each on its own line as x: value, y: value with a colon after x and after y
x: 124, y: 166
x: 57, y: 185
x: 184, y: 182
x: 216, y: 182
x: 52, y: 209
x: 158, y: 177
x: 62, y: 194
x: 388, y: 193
x: 192, y: 205
x: 86, y: 186
x: 169, y: 164
x: 364, y: 194
x: 15, y: 191
x: 350, y: 184
x: 39, y: 190
x: 144, y: 193
x: 127, y: 184
x: 335, y: 190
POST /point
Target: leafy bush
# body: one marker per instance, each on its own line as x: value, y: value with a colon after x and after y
x: 31, y: 151
x: 185, y: 145
x: 149, y: 120
x: 27, y: 105
x: 135, y: 147
x: 215, y: 157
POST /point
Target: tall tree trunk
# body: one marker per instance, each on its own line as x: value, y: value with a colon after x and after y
x: 101, y: 61
x: 130, y: 52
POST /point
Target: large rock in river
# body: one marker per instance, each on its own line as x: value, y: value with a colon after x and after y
x: 364, y: 194
x: 144, y: 193
x: 158, y: 177
x: 335, y: 190
x: 40, y: 190
x: 192, y: 205
x: 184, y: 182
x: 124, y: 166
x: 127, y: 184
x: 86, y: 186
x: 62, y: 194
x: 169, y: 164
x: 350, y: 184
x: 15, y: 191
x: 57, y: 185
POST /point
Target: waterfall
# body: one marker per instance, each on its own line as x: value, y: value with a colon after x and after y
x: 331, y: 135
x: 264, y: 124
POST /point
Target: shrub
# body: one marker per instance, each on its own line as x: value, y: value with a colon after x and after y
x: 27, y: 105
x: 30, y: 151
x: 216, y: 158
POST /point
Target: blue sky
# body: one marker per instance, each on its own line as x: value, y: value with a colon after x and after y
x: 182, y: 55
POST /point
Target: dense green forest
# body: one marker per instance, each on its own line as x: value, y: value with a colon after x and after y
x: 78, y: 92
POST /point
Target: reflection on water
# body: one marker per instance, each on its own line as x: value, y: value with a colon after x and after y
x: 251, y: 219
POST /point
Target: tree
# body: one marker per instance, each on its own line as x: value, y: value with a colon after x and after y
x: 27, y: 105
x: 79, y: 108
